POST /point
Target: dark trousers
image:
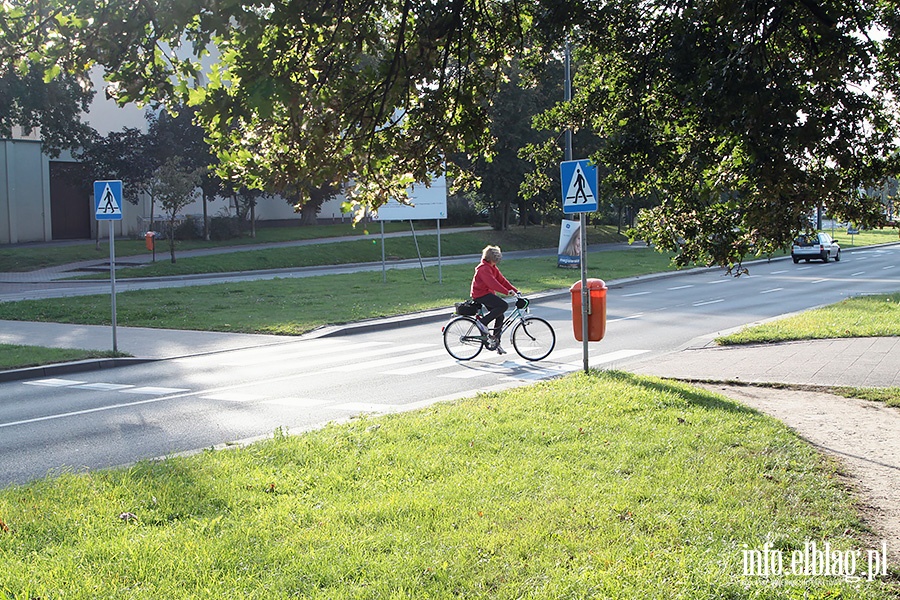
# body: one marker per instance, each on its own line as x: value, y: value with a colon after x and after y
x: 496, y: 308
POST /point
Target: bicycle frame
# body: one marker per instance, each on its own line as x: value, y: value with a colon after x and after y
x: 516, y: 315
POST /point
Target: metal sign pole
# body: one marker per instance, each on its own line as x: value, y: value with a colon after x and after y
x: 582, y: 220
x: 383, y: 273
x: 112, y: 280
x: 440, y: 273
x: 585, y: 295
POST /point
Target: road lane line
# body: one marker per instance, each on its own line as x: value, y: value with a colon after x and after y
x: 680, y: 287
x: 634, y: 294
x: 772, y: 290
x: 637, y: 316
x: 857, y: 273
x: 705, y: 302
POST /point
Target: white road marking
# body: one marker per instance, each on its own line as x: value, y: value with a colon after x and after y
x: 772, y: 290
x: 54, y: 382
x: 637, y: 316
x: 634, y: 294
x: 705, y: 302
x: 159, y: 391
x: 106, y: 387
x: 381, y: 362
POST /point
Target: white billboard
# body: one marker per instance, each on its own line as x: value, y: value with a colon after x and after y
x: 425, y: 203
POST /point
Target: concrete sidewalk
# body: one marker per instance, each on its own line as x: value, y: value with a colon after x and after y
x: 854, y: 362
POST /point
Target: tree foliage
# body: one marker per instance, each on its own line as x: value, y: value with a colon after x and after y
x: 741, y: 116
x: 174, y: 186
x: 52, y: 107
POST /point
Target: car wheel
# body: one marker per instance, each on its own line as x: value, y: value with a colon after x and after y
x: 837, y: 257
x: 825, y: 256
x: 796, y: 260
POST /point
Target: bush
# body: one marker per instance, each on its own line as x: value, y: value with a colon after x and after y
x: 225, y: 228
x: 189, y: 229
x: 460, y: 211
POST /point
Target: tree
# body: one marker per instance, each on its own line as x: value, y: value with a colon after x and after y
x: 128, y: 155
x: 309, y: 198
x: 522, y: 96
x: 176, y: 133
x: 175, y: 187
x: 53, y: 107
x: 742, y: 115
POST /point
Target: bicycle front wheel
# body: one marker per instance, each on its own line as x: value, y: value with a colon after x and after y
x: 533, y: 338
x: 462, y: 338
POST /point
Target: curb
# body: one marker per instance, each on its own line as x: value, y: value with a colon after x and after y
x: 79, y: 366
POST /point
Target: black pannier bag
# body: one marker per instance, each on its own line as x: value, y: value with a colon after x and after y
x: 468, y: 308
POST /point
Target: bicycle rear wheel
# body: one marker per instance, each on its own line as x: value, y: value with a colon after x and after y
x: 533, y: 338
x: 462, y: 338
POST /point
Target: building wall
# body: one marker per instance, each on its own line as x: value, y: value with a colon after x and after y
x: 24, y: 192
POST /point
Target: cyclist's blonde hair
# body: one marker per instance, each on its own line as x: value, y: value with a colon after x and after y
x: 491, y: 254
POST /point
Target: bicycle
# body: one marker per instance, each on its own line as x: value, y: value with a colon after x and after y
x: 532, y: 337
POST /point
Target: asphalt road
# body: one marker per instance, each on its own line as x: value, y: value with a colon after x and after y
x: 114, y: 417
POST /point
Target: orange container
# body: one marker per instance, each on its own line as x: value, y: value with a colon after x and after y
x: 596, y: 309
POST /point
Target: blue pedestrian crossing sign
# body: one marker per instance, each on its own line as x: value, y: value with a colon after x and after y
x: 108, y: 200
x: 579, y: 186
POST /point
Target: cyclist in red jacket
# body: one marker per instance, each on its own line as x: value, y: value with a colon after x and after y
x: 487, y: 280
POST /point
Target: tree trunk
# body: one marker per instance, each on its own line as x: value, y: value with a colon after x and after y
x: 172, y: 237
x: 205, y: 218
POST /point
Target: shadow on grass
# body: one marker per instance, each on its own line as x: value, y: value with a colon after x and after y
x: 691, y: 394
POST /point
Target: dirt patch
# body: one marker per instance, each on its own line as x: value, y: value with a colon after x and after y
x: 864, y: 436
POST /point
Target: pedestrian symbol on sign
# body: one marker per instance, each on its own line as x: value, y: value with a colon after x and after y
x: 108, y: 204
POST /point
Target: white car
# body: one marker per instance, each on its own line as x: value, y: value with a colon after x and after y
x: 815, y: 246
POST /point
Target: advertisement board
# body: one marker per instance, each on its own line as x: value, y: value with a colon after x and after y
x: 425, y: 203
x: 569, y: 253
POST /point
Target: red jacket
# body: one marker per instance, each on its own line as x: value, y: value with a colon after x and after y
x: 487, y: 279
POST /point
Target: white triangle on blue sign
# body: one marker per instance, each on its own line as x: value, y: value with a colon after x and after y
x: 579, y: 191
x: 108, y: 204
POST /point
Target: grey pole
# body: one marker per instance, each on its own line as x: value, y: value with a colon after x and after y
x: 112, y: 280
x: 582, y: 222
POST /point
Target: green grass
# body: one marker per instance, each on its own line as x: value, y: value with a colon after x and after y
x: 31, y: 257
x: 890, y: 396
x: 14, y: 356
x: 605, y: 485
x: 867, y: 237
x: 864, y: 316
x: 295, y: 306
x: 367, y: 250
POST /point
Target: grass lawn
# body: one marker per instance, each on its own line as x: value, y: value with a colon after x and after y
x: 605, y: 485
x: 365, y: 250
x: 295, y: 306
x: 864, y: 316
x: 28, y: 258
x: 31, y: 257
x: 14, y: 356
